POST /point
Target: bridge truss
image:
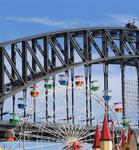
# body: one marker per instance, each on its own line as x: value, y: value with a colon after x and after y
x: 46, y: 55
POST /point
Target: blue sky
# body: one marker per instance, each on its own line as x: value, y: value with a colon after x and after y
x: 29, y: 17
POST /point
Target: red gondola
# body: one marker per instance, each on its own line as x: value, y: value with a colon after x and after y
x: 79, y: 81
x: 10, y: 135
x: 118, y: 107
x: 118, y: 110
x: 34, y: 92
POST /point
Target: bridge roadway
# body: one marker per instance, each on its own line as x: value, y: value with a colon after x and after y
x: 51, y: 132
x: 4, y: 125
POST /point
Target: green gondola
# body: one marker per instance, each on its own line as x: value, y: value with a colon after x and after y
x: 48, y: 86
x: 15, y: 120
x: 94, y: 86
x: 94, y: 81
x: 48, y: 83
x: 126, y: 122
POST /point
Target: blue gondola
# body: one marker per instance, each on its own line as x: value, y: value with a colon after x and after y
x: 63, y: 80
x: 22, y: 106
x: 107, y: 95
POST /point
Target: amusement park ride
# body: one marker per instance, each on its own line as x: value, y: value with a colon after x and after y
x: 75, y: 124
x: 105, y: 139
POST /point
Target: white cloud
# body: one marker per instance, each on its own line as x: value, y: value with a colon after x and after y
x: 113, y: 19
x: 49, y: 22
x: 70, y: 23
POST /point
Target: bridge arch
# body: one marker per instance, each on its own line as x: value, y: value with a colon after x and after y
x: 51, y: 53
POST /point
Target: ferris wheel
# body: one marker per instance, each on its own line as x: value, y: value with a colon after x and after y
x: 60, y: 129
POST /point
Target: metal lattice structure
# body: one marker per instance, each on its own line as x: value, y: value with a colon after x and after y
x: 131, y: 97
x: 48, y: 54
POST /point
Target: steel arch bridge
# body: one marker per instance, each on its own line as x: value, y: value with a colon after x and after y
x: 47, y: 54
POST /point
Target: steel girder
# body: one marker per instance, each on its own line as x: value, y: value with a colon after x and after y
x: 48, y: 54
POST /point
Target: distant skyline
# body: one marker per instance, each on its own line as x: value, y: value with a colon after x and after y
x: 29, y: 17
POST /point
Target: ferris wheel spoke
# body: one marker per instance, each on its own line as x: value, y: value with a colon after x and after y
x: 85, y: 136
x: 51, y: 132
x: 65, y: 129
x: 83, y: 133
x: 55, y: 129
x: 30, y: 136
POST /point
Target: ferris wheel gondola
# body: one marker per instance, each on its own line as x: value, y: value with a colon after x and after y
x: 79, y: 81
x: 14, y: 120
x: 118, y: 110
x: 107, y: 95
x: 126, y: 121
x: 63, y: 80
x: 48, y: 84
x: 118, y: 107
x: 34, y: 92
x: 94, y: 86
x: 22, y: 104
x: 10, y: 135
